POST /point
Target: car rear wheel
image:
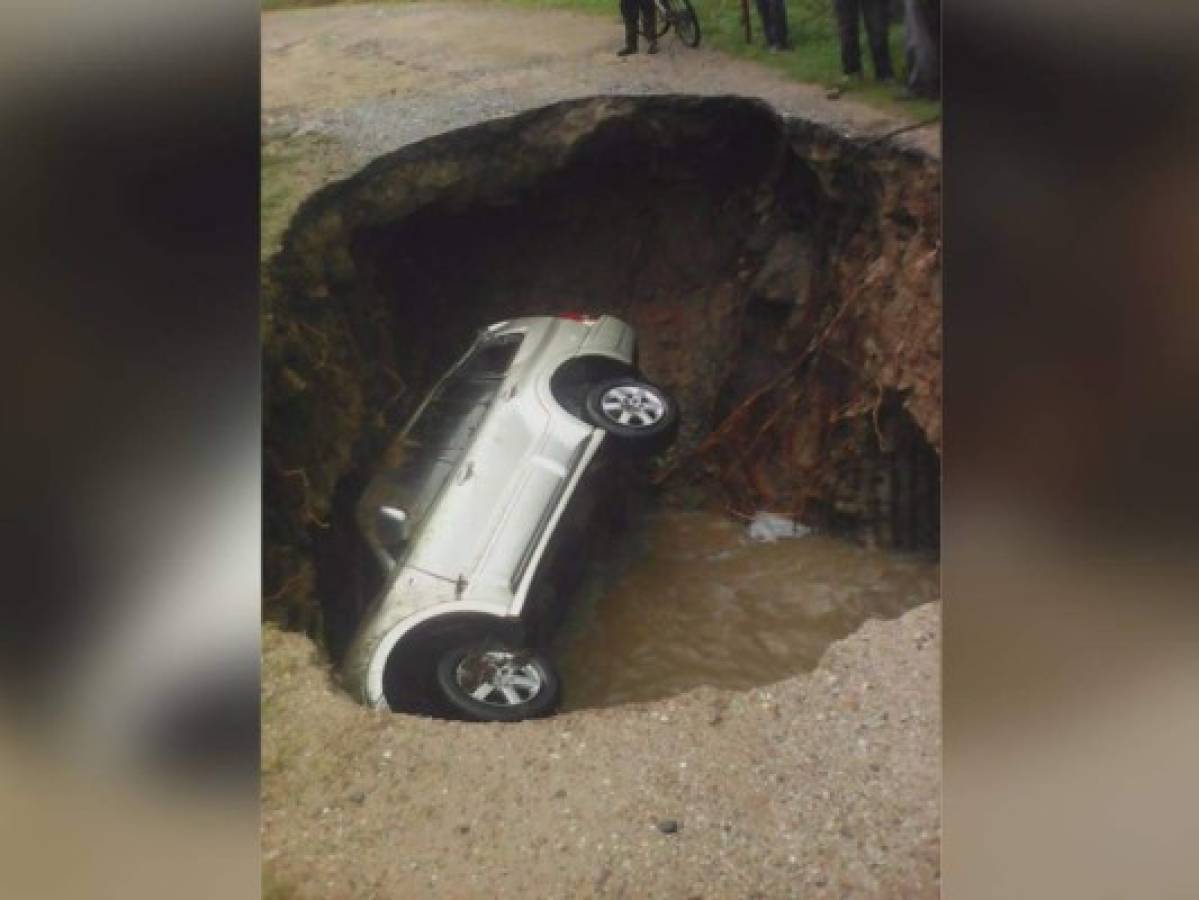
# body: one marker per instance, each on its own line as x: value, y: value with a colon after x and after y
x: 490, y: 682
x: 634, y: 410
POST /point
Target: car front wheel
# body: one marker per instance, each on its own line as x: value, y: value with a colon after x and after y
x: 489, y: 682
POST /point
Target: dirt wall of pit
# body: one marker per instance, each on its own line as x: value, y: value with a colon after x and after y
x: 784, y: 281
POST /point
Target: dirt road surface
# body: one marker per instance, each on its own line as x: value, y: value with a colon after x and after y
x: 823, y: 785
x: 377, y: 77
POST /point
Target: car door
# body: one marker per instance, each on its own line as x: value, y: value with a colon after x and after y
x: 478, y: 458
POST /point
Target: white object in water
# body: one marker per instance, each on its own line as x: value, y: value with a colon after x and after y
x: 768, y: 526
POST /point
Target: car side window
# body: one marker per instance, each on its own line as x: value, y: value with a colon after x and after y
x: 436, y: 442
x: 456, y: 411
x: 492, y: 358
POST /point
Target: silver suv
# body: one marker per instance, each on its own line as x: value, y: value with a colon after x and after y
x: 473, y: 504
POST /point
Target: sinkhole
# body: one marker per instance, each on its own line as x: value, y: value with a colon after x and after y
x: 784, y: 281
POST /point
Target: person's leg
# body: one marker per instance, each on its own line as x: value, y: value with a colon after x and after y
x: 782, y: 39
x: 932, y: 21
x: 628, y: 12
x: 909, y: 42
x: 920, y: 31
x: 649, y: 21
x: 875, y: 14
x: 847, y: 29
x: 932, y: 18
x: 764, y: 17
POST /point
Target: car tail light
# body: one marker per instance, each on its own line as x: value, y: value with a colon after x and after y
x: 577, y: 317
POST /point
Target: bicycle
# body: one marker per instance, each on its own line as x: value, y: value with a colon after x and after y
x: 681, y: 15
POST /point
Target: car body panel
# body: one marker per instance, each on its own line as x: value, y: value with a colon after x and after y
x: 609, y: 337
x: 369, y: 674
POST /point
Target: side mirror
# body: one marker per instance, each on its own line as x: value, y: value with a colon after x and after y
x: 393, y: 525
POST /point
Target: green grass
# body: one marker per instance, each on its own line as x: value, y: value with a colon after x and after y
x: 292, y: 168
x: 280, y: 194
x: 815, y: 56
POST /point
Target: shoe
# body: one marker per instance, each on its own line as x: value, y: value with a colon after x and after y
x: 626, y: 51
x: 850, y: 79
x: 918, y: 92
x: 652, y: 48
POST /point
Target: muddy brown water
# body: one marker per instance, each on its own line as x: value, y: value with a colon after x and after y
x: 690, y: 600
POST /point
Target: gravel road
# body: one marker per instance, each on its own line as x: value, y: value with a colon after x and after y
x: 378, y: 77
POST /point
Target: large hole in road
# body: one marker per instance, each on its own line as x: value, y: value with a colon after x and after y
x: 784, y: 283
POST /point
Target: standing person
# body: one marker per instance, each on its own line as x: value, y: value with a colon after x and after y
x: 649, y: 18
x: 774, y: 23
x: 922, y: 40
x: 875, y: 14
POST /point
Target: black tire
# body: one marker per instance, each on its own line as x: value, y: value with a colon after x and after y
x: 465, y: 671
x: 648, y: 423
x: 686, y: 22
x: 661, y: 20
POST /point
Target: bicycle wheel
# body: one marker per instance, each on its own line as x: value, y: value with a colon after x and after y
x: 686, y: 22
x: 665, y: 14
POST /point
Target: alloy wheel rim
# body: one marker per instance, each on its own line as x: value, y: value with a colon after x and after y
x: 632, y: 406
x: 498, y: 678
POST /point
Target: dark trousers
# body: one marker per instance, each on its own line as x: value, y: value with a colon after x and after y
x: 874, y: 12
x: 922, y: 34
x: 628, y: 12
x: 774, y: 22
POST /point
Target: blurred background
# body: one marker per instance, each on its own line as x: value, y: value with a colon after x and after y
x: 129, y: 624
x: 129, y: 629
x: 1071, y: 373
